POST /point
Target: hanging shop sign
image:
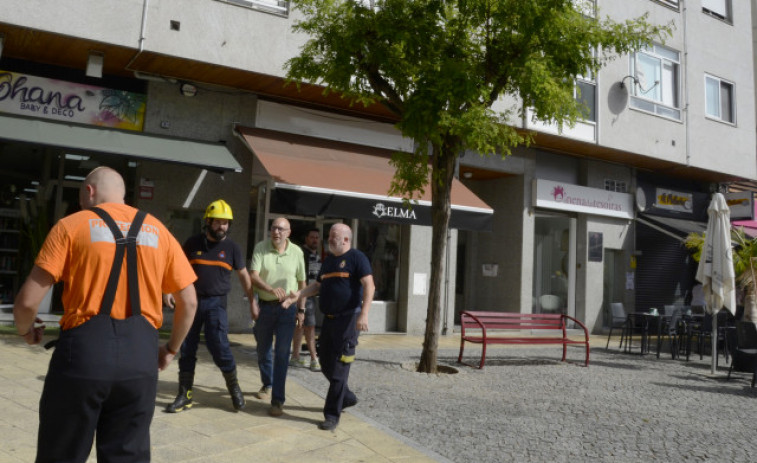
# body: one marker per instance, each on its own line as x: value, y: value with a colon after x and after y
x: 34, y: 96
x: 568, y: 197
x: 741, y: 205
x: 671, y: 200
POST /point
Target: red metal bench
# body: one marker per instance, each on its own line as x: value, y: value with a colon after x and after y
x: 477, y: 327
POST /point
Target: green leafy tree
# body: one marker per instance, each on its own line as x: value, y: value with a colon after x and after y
x: 440, y: 66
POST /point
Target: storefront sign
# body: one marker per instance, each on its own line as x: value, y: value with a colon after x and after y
x: 568, y: 197
x: 671, y: 200
x: 58, y: 100
x: 380, y: 210
x: 741, y: 205
x: 299, y: 201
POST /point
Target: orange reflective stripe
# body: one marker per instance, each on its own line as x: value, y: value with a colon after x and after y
x: 210, y: 262
x: 336, y: 275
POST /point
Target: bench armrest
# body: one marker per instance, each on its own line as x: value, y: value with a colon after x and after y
x: 475, y: 319
x: 586, y: 332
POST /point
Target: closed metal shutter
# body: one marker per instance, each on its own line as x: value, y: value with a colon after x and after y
x: 664, y: 270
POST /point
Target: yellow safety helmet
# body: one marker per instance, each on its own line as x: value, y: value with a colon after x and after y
x: 219, y: 209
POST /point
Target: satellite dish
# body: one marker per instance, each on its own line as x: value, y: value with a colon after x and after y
x: 641, y: 200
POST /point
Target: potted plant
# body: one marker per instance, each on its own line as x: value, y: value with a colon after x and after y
x: 744, y: 266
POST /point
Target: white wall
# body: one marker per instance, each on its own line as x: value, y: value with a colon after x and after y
x: 116, y: 22
x: 210, y: 31
x: 705, y: 44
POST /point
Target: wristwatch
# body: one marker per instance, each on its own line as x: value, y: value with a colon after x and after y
x: 300, y: 310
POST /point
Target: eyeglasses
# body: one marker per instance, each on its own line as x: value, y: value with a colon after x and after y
x: 278, y: 229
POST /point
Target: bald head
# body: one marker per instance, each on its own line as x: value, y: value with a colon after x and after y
x: 102, y: 185
x: 340, y: 239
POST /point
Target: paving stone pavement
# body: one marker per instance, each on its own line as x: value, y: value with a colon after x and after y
x: 525, y: 405
x: 211, y: 431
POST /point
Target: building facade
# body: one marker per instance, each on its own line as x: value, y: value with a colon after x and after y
x: 187, y: 98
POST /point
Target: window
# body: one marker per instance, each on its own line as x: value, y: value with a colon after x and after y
x: 585, y: 93
x: 718, y: 99
x: 673, y: 3
x: 616, y: 185
x: 720, y: 9
x: 380, y: 242
x: 280, y: 7
x: 655, y: 86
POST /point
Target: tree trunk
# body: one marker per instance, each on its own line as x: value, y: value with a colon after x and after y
x: 443, y: 170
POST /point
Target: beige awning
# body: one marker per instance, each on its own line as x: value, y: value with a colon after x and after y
x: 321, y: 177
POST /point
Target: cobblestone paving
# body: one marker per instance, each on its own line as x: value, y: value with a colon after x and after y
x: 526, y: 405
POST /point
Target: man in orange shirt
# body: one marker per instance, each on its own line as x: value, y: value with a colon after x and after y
x: 103, y: 374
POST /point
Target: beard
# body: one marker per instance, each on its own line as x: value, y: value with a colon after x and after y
x: 217, y: 235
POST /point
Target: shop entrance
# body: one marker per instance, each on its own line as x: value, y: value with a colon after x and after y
x: 554, y: 264
x: 39, y: 184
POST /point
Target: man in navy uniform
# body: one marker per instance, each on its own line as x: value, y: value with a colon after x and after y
x: 213, y: 256
x: 346, y: 287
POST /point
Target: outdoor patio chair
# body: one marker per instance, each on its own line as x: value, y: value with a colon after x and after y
x: 668, y: 310
x: 675, y: 331
x: 744, y: 354
x: 618, y: 319
x: 702, y: 331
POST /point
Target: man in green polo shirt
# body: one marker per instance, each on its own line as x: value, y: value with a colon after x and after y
x: 278, y: 268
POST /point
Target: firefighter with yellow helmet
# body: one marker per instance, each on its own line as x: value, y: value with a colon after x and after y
x: 214, y: 257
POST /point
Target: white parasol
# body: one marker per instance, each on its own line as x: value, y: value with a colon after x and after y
x: 715, y: 270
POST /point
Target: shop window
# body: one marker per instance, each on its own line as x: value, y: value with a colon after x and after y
x: 656, y: 81
x: 381, y: 244
x: 718, y: 99
x: 554, y: 251
x: 720, y: 9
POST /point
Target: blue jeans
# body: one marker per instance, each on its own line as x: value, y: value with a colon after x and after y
x: 273, y: 363
x: 211, y: 313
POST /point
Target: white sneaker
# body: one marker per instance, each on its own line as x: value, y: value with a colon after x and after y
x: 297, y: 362
x: 315, y: 365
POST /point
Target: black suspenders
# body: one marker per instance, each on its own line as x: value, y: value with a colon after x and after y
x: 129, y: 245
x: 124, y: 245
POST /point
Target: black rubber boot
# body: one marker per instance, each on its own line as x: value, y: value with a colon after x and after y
x: 183, y: 399
x: 232, y: 384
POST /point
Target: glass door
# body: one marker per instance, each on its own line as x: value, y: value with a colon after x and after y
x: 554, y: 264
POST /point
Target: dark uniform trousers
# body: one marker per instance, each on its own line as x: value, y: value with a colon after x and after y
x: 211, y: 313
x: 102, y: 378
x: 336, y: 349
